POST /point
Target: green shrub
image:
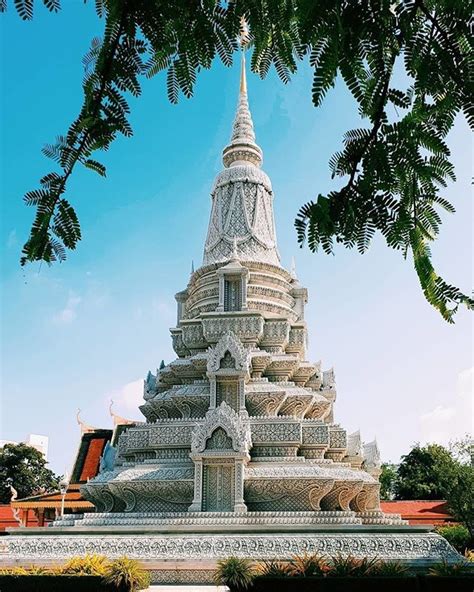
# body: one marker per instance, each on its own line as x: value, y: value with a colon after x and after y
x: 53, y: 583
x: 128, y: 574
x: 456, y: 534
x: 236, y: 573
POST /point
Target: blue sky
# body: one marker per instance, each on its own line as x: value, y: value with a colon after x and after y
x: 77, y: 334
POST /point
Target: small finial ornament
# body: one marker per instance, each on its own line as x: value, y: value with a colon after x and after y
x: 118, y: 420
x: 242, y: 149
x: 85, y: 428
x: 293, y: 269
x: 192, y: 266
x: 235, y: 253
x: 13, y: 497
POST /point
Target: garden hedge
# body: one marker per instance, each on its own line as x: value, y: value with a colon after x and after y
x: 54, y: 583
x: 365, y: 584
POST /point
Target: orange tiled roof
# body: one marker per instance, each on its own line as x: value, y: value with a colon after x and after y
x: 86, y: 466
x: 90, y: 468
x: 73, y: 499
x: 419, y: 511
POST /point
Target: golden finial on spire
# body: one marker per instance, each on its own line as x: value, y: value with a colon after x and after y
x: 242, y: 149
x: 243, y: 40
x: 243, y: 77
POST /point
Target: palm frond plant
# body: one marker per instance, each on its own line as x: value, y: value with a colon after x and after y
x: 273, y: 568
x: 389, y: 569
x: 469, y: 555
x: 448, y: 569
x: 127, y: 575
x: 39, y: 570
x: 308, y: 565
x: 235, y: 572
x: 90, y: 565
x: 348, y: 565
x: 14, y: 571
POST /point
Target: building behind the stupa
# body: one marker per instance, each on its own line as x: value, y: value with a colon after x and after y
x: 240, y: 453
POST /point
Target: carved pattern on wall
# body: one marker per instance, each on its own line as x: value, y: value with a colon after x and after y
x: 228, y: 392
x: 293, y: 495
x: 367, y: 499
x: 296, y: 405
x: 264, y: 404
x: 337, y: 438
x: 218, y: 488
x: 318, y: 434
x: 274, y: 451
x: 219, y: 440
x: 278, y: 432
x: 193, y: 336
x: 341, y: 495
x: 242, y: 208
x: 246, y: 328
x: 395, y: 546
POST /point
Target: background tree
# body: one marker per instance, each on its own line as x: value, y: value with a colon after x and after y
x: 462, y: 449
x: 425, y: 473
x: 27, y: 469
x: 393, y: 167
x: 460, y: 495
x: 388, y: 478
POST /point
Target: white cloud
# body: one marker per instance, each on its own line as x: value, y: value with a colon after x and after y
x: 127, y: 398
x: 12, y: 239
x: 450, y: 422
x: 69, y: 313
x: 163, y: 308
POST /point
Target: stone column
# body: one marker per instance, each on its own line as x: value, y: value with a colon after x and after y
x: 241, y: 387
x: 181, y: 301
x: 239, y: 503
x: 196, y: 506
x: 220, y: 307
x: 213, y: 392
x: 243, y: 284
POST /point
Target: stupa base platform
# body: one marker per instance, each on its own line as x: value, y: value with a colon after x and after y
x: 223, y: 521
x: 182, y: 556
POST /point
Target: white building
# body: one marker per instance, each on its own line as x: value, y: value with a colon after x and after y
x: 41, y: 443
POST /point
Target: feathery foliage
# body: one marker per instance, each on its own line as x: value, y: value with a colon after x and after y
x: 394, y: 168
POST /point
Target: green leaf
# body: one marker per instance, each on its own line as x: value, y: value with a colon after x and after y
x: 95, y: 166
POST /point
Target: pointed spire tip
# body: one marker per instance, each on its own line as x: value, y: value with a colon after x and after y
x: 243, y: 76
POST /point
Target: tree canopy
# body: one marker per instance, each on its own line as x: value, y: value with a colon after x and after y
x: 424, y: 473
x: 26, y: 467
x: 460, y: 495
x: 433, y: 472
x: 394, y: 168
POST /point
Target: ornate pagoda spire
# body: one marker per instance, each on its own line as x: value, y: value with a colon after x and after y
x: 241, y: 225
x: 242, y: 148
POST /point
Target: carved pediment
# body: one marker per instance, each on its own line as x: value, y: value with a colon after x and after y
x: 229, y: 347
x: 218, y: 420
